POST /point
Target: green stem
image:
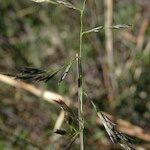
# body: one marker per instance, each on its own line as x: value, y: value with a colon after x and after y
x: 80, y: 87
x: 80, y: 102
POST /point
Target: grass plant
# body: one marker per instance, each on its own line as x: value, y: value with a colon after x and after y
x: 34, y: 74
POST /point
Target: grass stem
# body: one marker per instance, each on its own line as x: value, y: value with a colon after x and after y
x: 80, y: 87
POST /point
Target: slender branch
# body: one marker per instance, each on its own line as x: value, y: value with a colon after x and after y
x: 97, y: 29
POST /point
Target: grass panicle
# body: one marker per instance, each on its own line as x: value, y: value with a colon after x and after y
x: 34, y: 74
x: 115, y: 136
x: 66, y: 72
x: 110, y: 127
x: 70, y: 116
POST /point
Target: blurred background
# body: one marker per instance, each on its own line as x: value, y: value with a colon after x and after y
x: 116, y: 68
